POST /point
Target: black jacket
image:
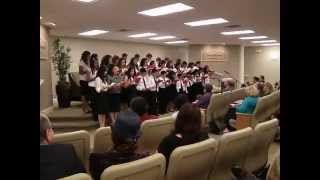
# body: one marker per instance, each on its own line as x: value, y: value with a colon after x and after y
x: 58, y: 161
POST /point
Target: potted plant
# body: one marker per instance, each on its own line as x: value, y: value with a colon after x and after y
x: 61, y: 62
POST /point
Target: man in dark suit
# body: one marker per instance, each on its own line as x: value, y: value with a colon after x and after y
x: 56, y: 160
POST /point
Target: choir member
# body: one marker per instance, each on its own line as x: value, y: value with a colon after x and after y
x: 101, y: 88
x: 146, y: 87
x: 115, y: 81
x: 163, y: 83
x: 85, y: 76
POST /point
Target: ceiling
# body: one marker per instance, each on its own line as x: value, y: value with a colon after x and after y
x: 71, y: 18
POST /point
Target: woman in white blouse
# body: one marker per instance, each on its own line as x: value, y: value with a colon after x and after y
x: 85, y: 75
x: 102, y: 87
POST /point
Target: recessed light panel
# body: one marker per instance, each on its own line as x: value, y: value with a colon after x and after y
x: 264, y: 41
x: 207, y: 22
x: 142, y: 35
x: 271, y: 44
x: 237, y: 32
x: 176, y: 42
x: 253, y: 37
x: 93, y: 32
x: 168, y: 9
x: 162, y: 37
x: 86, y: 1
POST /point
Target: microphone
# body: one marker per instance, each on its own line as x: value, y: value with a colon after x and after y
x: 227, y: 72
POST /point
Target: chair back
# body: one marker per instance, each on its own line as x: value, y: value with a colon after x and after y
x: 192, y: 161
x: 149, y: 168
x: 102, y: 140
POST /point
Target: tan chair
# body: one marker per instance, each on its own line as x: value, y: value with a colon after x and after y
x: 102, y: 140
x: 204, y: 122
x: 192, y: 161
x: 79, y: 176
x: 80, y: 141
x: 149, y: 168
x: 153, y: 131
x: 263, y: 136
x: 233, y: 148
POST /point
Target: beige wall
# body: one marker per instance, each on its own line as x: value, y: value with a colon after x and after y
x: 259, y: 61
x: 231, y: 64
x: 45, y: 72
x: 102, y: 47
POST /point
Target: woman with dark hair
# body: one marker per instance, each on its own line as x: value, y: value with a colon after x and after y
x: 134, y: 65
x: 115, y: 81
x: 101, y: 88
x: 85, y: 77
x: 122, y: 66
x: 143, y: 63
x: 183, y: 67
x: 115, y: 60
x: 187, y: 130
x: 106, y: 61
x: 130, y: 91
x: 94, y: 65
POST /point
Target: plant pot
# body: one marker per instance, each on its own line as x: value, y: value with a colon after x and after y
x: 63, y: 94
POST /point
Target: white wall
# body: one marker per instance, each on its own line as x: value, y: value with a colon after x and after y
x: 231, y: 64
x: 103, y: 47
x: 260, y: 61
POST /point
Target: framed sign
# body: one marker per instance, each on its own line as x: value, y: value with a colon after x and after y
x: 214, y: 54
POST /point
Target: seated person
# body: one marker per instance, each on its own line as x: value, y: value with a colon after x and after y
x: 56, y: 160
x: 228, y: 84
x: 125, y: 134
x: 187, y: 130
x: 267, y: 89
x: 179, y: 101
x: 140, y: 106
x: 204, y: 100
x: 248, y: 105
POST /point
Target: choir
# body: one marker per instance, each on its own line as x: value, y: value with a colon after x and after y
x: 159, y: 81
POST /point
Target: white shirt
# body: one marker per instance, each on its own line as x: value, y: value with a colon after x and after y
x: 101, y: 86
x: 146, y: 82
x: 87, y: 75
x: 180, y: 84
x: 163, y: 82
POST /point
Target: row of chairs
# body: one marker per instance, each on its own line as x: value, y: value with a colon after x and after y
x: 211, y: 159
x: 220, y: 103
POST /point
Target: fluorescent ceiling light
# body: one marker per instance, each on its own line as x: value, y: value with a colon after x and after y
x: 271, y: 44
x: 168, y: 9
x: 264, y: 41
x: 237, y: 32
x: 142, y: 35
x: 93, y: 33
x: 207, y: 22
x: 86, y: 1
x: 253, y: 37
x: 162, y: 37
x: 176, y: 42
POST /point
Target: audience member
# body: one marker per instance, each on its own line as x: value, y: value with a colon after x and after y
x: 267, y: 89
x: 187, y: 130
x: 179, y: 101
x: 204, y: 100
x: 125, y: 134
x: 262, y: 79
x: 140, y: 106
x: 56, y: 160
x: 248, y: 105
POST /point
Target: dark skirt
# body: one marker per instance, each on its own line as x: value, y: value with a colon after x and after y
x: 131, y: 93
x: 102, y: 103
x: 114, y: 102
x: 85, y: 90
x: 171, y: 92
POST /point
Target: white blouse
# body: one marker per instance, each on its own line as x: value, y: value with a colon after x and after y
x: 146, y: 82
x: 87, y: 75
x: 101, y: 86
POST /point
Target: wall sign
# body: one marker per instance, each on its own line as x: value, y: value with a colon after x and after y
x: 213, y: 54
